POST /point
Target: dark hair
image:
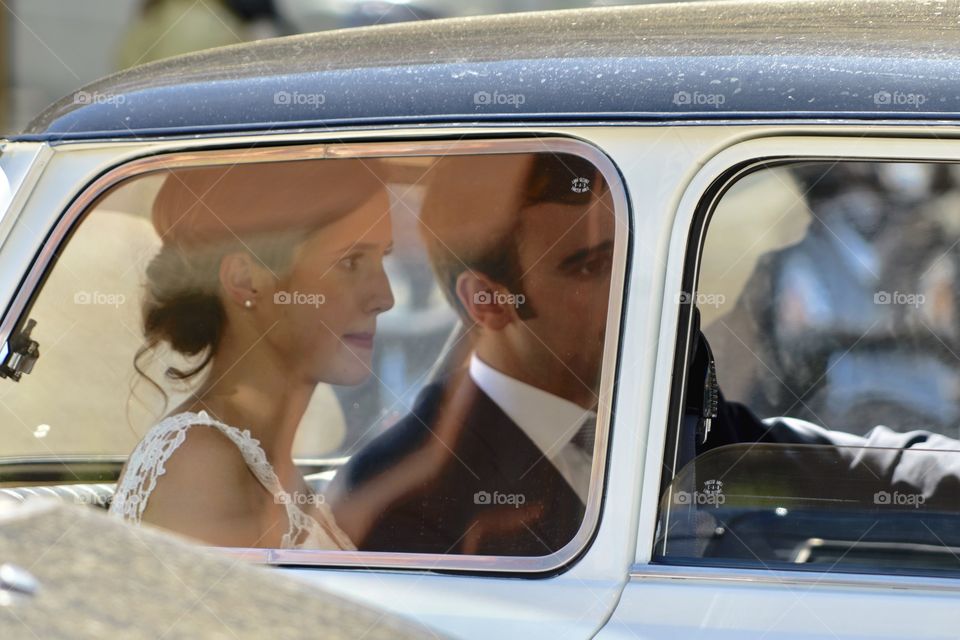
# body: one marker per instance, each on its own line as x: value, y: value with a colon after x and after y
x: 182, y: 306
x: 550, y: 179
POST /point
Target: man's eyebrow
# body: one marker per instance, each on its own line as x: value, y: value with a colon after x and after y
x: 586, y: 253
x: 359, y: 246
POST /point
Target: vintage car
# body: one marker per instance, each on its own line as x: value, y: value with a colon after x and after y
x: 760, y: 198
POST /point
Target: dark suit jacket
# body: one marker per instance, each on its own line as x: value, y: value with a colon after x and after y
x: 485, y: 489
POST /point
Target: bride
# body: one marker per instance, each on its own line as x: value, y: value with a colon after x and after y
x: 271, y: 275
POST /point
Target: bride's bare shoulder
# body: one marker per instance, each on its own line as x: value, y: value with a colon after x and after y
x: 207, y: 458
x: 205, y: 481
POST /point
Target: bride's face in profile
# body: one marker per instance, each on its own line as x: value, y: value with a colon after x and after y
x: 324, y: 312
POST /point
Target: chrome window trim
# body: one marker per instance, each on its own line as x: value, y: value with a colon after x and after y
x: 784, y: 125
x: 21, y: 164
x: 789, y: 578
x: 731, y: 164
x: 357, y: 148
x: 110, y: 458
x: 674, y: 428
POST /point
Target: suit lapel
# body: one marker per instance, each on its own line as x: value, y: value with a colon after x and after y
x: 512, y: 463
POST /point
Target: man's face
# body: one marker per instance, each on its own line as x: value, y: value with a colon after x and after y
x: 565, y: 255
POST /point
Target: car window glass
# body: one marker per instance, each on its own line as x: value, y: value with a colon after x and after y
x: 387, y: 354
x: 831, y: 316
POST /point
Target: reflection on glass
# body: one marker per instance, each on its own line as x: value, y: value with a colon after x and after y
x: 833, y: 317
x: 816, y: 507
x: 391, y: 354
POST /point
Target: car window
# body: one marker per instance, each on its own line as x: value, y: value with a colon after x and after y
x: 379, y: 353
x: 828, y: 439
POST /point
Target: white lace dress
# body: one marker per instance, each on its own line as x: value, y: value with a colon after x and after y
x: 146, y: 465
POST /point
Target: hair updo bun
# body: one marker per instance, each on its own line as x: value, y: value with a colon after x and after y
x: 182, y: 307
x: 202, y: 331
x: 179, y: 307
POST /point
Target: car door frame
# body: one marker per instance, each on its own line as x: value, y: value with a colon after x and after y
x: 682, y: 601
x: 573, y: 599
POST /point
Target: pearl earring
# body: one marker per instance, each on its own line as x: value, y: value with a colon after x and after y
x: 248, y: 304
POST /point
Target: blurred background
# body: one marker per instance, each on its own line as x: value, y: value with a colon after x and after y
x: 830, y: 291
x: 52, y: 47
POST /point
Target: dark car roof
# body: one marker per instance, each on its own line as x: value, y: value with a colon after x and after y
x: 889, y: 59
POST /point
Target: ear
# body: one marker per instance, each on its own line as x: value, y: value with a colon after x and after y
x: 487, y: 302
x: 241, y: 278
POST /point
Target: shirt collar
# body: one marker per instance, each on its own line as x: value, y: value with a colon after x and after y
x: 548, y: 420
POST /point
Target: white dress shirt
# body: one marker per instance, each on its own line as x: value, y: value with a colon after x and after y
x: 548, y: 420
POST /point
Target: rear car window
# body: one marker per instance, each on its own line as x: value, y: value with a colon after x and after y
x: 385, y: 353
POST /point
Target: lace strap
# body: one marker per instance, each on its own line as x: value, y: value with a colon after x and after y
x: 147, y: 464
x: 302, y: 526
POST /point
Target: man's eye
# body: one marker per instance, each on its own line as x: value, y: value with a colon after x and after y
x: 595, y: 266
x: 350, y: 263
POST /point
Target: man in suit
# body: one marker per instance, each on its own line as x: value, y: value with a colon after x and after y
x: 496, y: 457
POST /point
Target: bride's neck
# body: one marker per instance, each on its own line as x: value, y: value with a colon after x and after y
x: 251, y: 388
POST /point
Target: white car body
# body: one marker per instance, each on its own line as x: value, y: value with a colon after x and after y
x: 611, y: 588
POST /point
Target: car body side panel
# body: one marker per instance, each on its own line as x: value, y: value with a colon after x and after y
x: 666, y: 608
x: 665, y: 170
